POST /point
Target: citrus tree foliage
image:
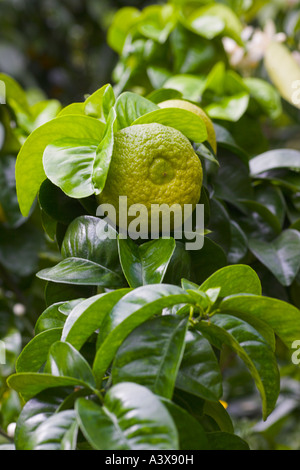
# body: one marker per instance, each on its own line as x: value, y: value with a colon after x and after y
x: 114, y: 339
x: 132, y: 349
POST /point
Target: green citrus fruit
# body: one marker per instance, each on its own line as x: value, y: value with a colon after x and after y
x: 283, y: 71
x: 211, y: 135
x: 152, y: 164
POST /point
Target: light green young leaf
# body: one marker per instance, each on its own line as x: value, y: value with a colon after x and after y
x: 29, y: 167
x: 235, y: 279
x: 190, y: 124
x: 130, y: 106
x: 99, y: 104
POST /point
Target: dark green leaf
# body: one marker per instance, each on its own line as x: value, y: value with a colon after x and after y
x: 34, y: 413
x: 81, y: 271
x: 281, y: 256
x: 35, y: 353
x: 191, y: 433
x: 130, y: 312
x: 50, y: 318
x: 29, y: 384
x: 151, y: 354
x: 278, y: 158
x: 206, y: 261
x: 217, y: 411
x: 252, y: 348
x: 199, y: 372
x: 281, y: 316
x: 88, y: 316
x: 65, y: 361
x: 147, y: 263
x: 132, y: 418
x: 92, y: 239
x: 226, y: 441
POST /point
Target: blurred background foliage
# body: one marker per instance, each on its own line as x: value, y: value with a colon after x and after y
x: 58, y: 52
x: 58, y: 46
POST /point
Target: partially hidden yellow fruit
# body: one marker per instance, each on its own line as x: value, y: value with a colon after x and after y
x: 2, y: 215
x: 283, y: 71
x: 152, y: 164
x: 183, y: 104
x: 224, y: 404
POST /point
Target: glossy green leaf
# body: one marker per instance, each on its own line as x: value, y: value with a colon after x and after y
x: 191, y: 125
x: 217, y: 412
x: 123, y: 21
x: 157, y: 22
x: 104, y: 154
x: 226, y: 140
x: 273, y: 159
x: 281, y: 316
x: 57, y: 205
x: 163, y: 94
x: 208, y: 26
x: 264, y: 212
x: 179, y: 266
x: 146, y: 263
x: 29, y: 167
x: 281, y: 256
x: 230, y: 108
x: 50, y: 318
x: 213, y: 19
x: 14, y: 92
x: 68, y: 163
x: 130, y: 312
x: 65, y: 361
x: 252, y: 349
x: 266, y: 96
x: 151, y: 354
x: 55, y: 433
x: 88, y: 316
x: 132, y: 418
x: 232, y: 181
x: 239, y: 244
x: 73, y: 108
x: 234, y: 280
x: 81, y: 271
x: 34, y: 413
x: 191, y: 433
x: 190, y: 86
x: 199, y: 372
x: 35, y: 353
x: 130, y: 106
x: 225, y: 441
x: 93, y: 239
x: 206, y: 261
x: 29, y: 384
x: 65, y: 292
x: 99, y: 103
